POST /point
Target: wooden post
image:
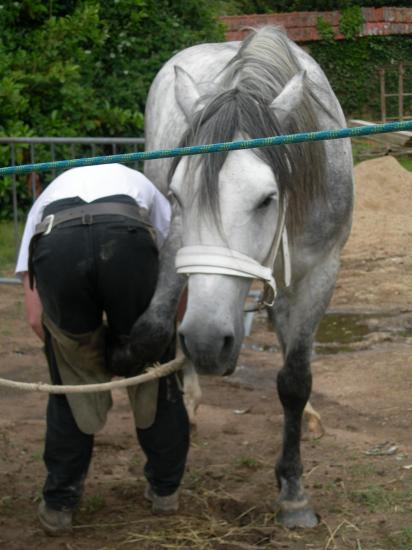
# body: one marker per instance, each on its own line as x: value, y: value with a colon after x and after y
x: 400, y: 91
x: 383, y: 98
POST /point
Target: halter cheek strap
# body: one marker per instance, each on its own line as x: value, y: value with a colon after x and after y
x: 226, y: 261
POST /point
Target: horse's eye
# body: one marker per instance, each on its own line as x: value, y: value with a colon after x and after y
x: 265, y: 202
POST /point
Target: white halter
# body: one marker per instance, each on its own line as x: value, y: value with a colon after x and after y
x: 225, y: 261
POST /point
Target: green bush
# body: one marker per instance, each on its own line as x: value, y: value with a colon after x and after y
x: 84, y: 67
x: 271, y: 6
x: 352, y: 67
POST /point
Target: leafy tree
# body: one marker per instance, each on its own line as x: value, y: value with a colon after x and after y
x: 83, y: 67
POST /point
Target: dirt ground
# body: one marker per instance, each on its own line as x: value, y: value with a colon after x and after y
x: 359, y: 474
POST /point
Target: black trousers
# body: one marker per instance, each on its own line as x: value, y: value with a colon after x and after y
x: 82, y: 271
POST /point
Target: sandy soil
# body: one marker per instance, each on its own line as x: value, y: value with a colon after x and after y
x: 359, y: 474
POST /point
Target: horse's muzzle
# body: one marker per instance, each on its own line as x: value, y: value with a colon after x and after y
x: 214, y: 356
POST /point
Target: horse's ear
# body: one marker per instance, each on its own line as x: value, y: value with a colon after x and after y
x: 290, y: 97
x: 186, y: 91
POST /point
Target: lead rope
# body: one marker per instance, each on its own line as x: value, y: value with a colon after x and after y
x: 153, y: 373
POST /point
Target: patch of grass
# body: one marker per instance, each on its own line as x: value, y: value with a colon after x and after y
x: 136, y: 460
x: 37, y: 455
x: 405, y: 538
x: 247, y: 462
x: 360, y: 148
x: 406, y: 162
x: 378, y: 499
x: 6, y: 504
x: 363, y: 149
x: 362, y: 470
x: 195, y: 480
x: 94, y: 504
x: 8, y: 250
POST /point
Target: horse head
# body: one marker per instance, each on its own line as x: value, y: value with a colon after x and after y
x: 231, y: 205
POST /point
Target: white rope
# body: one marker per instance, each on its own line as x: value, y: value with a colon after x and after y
x: 157, y: 371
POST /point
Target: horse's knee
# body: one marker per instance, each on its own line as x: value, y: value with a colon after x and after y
x: 294, y: 389
x: 294, y: 380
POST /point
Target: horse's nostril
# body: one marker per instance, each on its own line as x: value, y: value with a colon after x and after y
x: 209, y: 352
x: 227, y: 345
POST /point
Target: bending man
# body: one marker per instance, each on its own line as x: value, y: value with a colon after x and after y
x: 89, y: 249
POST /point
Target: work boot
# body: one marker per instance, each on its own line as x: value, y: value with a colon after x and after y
x: 162, y: 505
x: 55, y: 522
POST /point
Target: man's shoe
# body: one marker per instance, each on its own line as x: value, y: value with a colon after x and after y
x: 162, y: 505
x: 55, y: 522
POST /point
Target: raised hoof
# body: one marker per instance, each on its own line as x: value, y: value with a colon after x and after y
x: 303, y: 518
x: 312, y: 429
x: 312, y: 424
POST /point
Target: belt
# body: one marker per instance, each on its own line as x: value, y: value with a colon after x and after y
x: 87, y: 214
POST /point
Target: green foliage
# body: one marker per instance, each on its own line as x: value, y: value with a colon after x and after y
x: 351, y: 22
x: 325, y: 29
x: 352, y: 67
x: 405, y: 538
x: 352, y: 64
x: 83, y: 67
x: 278, y: 6
x: 406, y: 162
x: 8, y: 246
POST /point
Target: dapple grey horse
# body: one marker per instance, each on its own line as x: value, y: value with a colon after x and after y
x: 243, y: 214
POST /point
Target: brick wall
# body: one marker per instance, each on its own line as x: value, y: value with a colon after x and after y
x: 301, y: 26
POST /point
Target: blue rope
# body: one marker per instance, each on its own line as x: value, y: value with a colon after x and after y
x: 211, y: 148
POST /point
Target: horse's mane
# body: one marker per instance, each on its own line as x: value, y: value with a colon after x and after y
x: 249, y: 83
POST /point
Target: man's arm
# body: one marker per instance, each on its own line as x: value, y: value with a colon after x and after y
x: 34, y: 307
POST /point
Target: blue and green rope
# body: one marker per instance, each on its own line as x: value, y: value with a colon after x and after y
x: 211, y: 148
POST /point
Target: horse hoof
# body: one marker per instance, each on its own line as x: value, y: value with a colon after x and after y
x: 313, y: 426
x: 313, y: 429
x: 292, y: 518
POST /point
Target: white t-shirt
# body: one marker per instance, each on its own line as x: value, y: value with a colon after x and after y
x: 94, y: 182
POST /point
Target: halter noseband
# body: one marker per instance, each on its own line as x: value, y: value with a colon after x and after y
x: 226, y: 261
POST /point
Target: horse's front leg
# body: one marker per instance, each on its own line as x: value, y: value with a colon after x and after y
x: 154, y: 330
x: 294, y: 386
x: 296, y: 315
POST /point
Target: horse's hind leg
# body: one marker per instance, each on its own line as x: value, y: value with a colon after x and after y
x: 296, y: 315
